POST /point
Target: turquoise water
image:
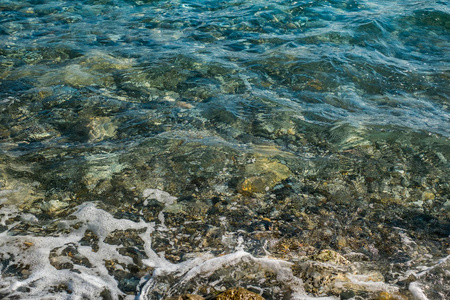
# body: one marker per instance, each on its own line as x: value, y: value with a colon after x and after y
x: 273, y: 124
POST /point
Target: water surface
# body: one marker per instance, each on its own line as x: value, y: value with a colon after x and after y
x: 253, y: 130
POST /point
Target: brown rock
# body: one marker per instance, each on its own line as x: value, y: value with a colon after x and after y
x: 428, y: 196
x: 331, y: 256
x: 253, y: 185
x: 238, y: 294
x: 388, y: 296
x: 262, y: 175
x: 186, y: 297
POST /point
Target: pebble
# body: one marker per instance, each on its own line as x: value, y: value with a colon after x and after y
x: 53, y: 206
x: 238, y: 294
x: 186, y: 297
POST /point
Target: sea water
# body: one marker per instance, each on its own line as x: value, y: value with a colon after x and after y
x: 298, y: 149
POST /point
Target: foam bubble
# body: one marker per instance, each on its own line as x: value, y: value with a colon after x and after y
x: 39, y: 255
x: 159, y: 195
x: 416, y: 291
x: 193, y: 276
x: 61, y: 265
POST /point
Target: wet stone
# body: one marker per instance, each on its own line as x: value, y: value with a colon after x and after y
x: 238, y: 294
x: 101, y: 128
x: 389, y: 296
x: 90, y: 239
x: 347, y: 295
x: 23, y: 192
x: 268, y: 174
x: 53, y: 206
x: 332, y: 257
x: 127, y: 238
x: 186, y: 297
x: 238, y: 143
x: 245, y: 271
x: 67, y: 258
x: 254, y: 185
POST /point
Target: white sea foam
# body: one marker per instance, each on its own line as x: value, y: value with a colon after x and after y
x: 35, y: 252
x: 205, y: 265
x: 159, y: 195
x: 416, y: 291
x: 40, y: 253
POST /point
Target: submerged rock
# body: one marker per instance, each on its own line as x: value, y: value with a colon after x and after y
x: 101, y: 128
x: 238, y: 294
x: 186, y: 297
x: 262, y: 175
x: 211, y: 276
x: 254, y: 184
x: 331, y: 257
x: 53, y: 206
x: 21, y: 193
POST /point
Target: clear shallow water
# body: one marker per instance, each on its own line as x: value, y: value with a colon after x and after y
x: 291, y: 113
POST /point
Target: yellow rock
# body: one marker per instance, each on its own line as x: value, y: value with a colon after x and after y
x: 332, y: 257
x: 388, y: 296
x: 291, y: 131
x: 428, y: 196
x: 238, y: 294
x: 264, y: 165
x: 263, y: 175
x: 186, y: 297
x: 253, y: 185
x: 101, y: 128
x: 53, y: 206
x: 20, y: 193
x: 342, y: 242
x: 384, y: 296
